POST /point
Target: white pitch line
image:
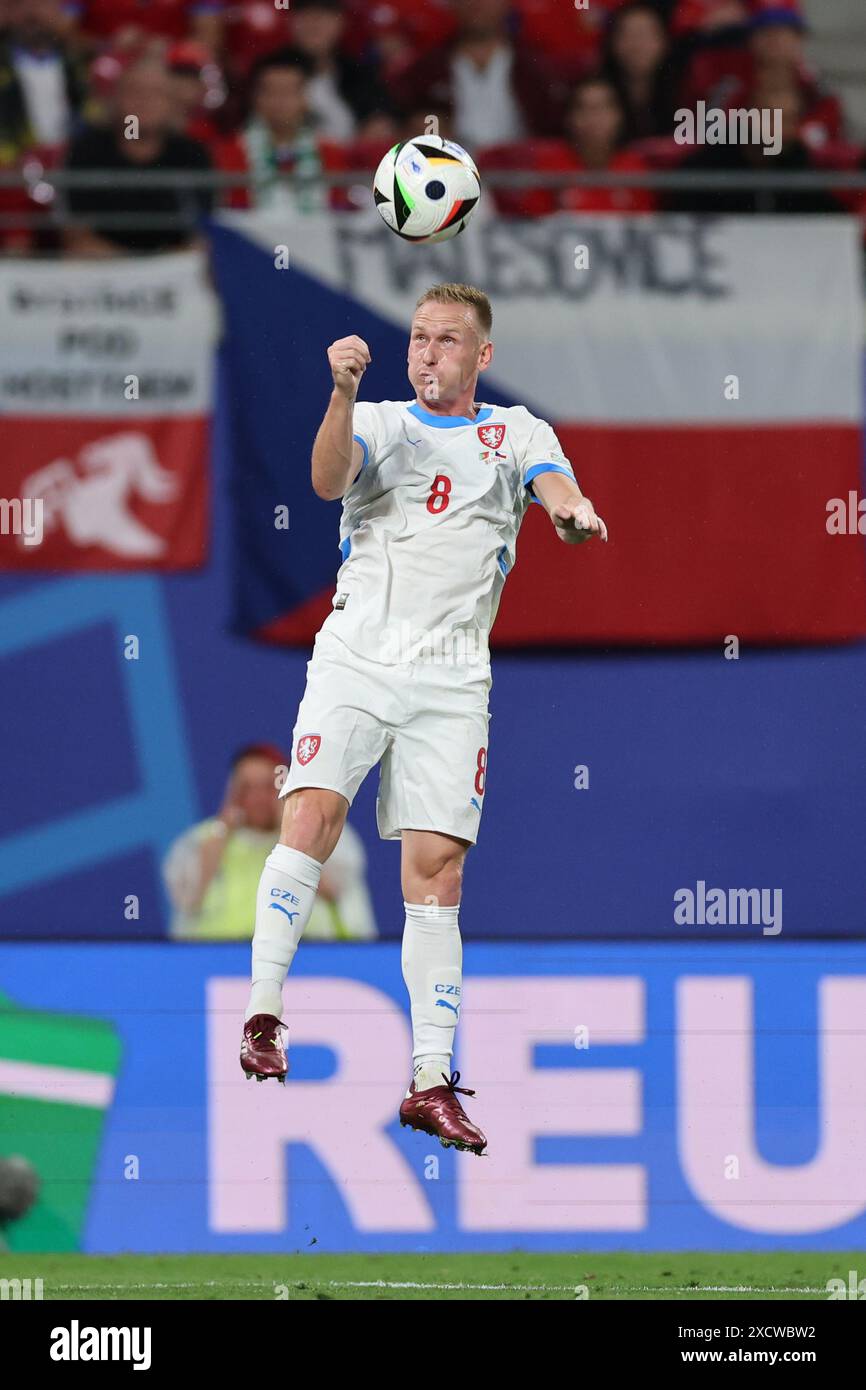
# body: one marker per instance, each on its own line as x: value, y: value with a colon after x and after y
x: 445, y: 1288
x: 737, y: 1288
x: 570, y: 1288
x: 180, y: 1284
x: 482, y: 1288
x: 329, y: 1284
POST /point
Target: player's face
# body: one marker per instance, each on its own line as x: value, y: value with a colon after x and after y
x: 446, y: 352
x: 254, y: 791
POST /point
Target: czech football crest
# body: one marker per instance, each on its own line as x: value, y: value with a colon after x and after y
x: 491, y: 435
x: 308, y: 747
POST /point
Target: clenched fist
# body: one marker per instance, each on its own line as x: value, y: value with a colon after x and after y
x: 348, y: 359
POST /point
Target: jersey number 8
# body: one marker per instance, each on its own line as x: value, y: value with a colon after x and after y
x: 440, y: 494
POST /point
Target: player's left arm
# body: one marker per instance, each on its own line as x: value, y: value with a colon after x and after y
x: 572, y: 514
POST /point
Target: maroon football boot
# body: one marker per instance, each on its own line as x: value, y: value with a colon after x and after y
x: 437, y: 1111
x: 262, y: 1051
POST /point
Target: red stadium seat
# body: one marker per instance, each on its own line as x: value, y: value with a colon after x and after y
x: 365, y: 154
x: 557, y: 156
x: 524, y: 154
x: 661, y: 152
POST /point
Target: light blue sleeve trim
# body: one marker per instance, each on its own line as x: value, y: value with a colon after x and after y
x: 363, y: 444
x: 346, y: 548
x: 538, y: 468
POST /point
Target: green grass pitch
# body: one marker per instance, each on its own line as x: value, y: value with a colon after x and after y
x: 687, y: 1277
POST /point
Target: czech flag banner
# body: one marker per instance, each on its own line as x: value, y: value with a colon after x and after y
x: 704, y: 375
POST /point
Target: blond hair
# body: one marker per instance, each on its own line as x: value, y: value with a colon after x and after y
x: 462, y: 294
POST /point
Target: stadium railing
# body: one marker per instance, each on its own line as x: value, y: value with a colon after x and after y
x: 47, y: 190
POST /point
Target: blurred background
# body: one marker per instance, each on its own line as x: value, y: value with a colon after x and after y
x: 186, y: 222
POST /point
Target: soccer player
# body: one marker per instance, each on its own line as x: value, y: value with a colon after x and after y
x: 434, y: 490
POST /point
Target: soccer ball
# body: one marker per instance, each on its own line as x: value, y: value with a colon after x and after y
x: 427, y: 188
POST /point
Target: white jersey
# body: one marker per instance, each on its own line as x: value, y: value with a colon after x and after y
x: 429, y: 527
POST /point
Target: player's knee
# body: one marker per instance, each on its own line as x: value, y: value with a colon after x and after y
x: 439, y: 877
x: 449, y: 882
x: 312, y: 821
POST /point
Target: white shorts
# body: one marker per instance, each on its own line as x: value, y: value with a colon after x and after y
x: 425, y: 722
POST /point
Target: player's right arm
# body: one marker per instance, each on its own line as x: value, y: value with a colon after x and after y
x: 337, y: 457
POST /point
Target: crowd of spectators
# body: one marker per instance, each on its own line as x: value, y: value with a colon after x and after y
x: 278, y: 93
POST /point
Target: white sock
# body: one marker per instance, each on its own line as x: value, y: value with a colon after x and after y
x: 287, y: 892
x: 432, y: 961
x: 431, y: 1072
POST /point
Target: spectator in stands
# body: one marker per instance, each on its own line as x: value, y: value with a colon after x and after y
x: 212, y: 871
x: 138, y: 136
x: 494, y: 90
x: 345, y: 96
x: 776, y: 57
x: 278, y: 147
x: 42, y: 86
x: 638, y: 59
x: 128, y: 22
x: 794, y: 157
x: 729, y: 77
x: 595, y: 125
x: 570, y: 37
x: 253, y: 28
x: 197, y: 89
x: 594, y: 128
x: 397, y: 31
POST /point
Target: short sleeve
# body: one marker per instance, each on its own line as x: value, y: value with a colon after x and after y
x: 366, y: 429
x: 543, y: 453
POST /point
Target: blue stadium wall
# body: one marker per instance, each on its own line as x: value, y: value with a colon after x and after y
x: 642, y: 1097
